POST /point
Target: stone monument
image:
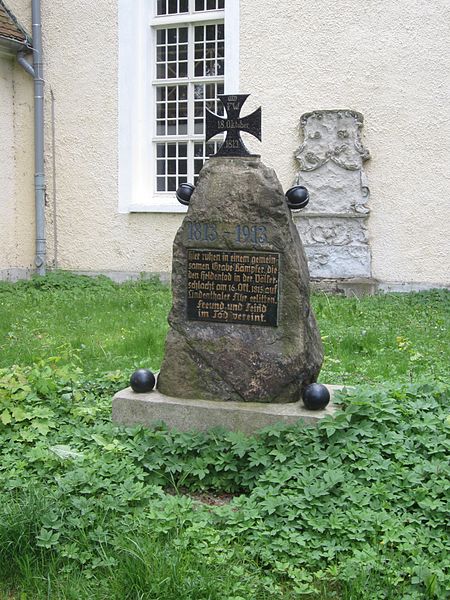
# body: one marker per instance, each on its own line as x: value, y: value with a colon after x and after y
x: 334, y: 226
x: 241, y: 325
x: 243, y: 338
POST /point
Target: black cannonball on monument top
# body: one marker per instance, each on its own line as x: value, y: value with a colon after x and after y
x: 297, y: 197
x: 184, y: 193
x: 142, y: 381
x: 316, y: 396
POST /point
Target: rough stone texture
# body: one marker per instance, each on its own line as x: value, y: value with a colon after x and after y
x: 130, y: 409
x: 334, y: 225
x: 240, y: 362
x: 352, y: 287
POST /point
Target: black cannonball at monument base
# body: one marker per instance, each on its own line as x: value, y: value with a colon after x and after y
x: 316, y: 396
x: 142, y: 381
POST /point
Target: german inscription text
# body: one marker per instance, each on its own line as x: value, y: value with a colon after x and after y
x: 233, y: 287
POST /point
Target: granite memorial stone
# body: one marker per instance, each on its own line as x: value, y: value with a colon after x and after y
x: 241, y: 325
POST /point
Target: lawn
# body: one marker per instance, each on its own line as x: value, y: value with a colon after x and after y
x: 354, y: 509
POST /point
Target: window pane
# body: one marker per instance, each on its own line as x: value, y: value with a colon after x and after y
x: 201, y: 5
x: 198, y: 91
x: 161, y: 7
x: 183, y: 35
x: 183, y: 70
x: 172, y: 36
x: 182, y: 109
x: 178, y: 161
x: 172, y: 7
x: 160, y: 53
x: 183, y: 52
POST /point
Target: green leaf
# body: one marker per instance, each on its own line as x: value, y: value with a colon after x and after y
x: 5, y: 417
x: 19, y: 414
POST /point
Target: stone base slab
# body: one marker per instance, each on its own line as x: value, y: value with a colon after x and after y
x: 130, y: 408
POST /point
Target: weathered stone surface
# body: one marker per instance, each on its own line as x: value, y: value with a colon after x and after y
x: 129, y: 408
x: 238, y: 361
x: 334, y: 225
x: 336, y: 262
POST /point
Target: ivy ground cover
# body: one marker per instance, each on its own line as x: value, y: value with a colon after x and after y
x: 357, y: 508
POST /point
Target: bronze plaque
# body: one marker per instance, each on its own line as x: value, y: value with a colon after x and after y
x: 233, y: 287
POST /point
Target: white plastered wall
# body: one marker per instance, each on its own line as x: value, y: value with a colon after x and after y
x: 386, y: 60
x: 16, y: 170
x: 389, y: 61
x: 6, y: 164
x: 80, y: 68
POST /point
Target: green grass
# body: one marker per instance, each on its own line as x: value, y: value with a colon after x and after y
x: 103, y: 326
x: 391, y: 337
x: 354, y: 509
x: 92, y: 322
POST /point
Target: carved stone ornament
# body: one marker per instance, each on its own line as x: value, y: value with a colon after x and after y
x: 334, y: 225
x: 332, y: 135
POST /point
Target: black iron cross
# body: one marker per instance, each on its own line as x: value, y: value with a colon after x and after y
x: 233, y: 124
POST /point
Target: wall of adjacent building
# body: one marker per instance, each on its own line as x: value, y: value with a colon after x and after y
x: 7, y: 163
x: 16, y: 171
x: 387, y: 61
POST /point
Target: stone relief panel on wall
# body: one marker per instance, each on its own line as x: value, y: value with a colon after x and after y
x: 330, y: 162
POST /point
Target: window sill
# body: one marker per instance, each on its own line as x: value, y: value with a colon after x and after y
x: 158, y: 207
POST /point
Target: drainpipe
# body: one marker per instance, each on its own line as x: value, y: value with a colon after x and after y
x: 36, y: 71
x: 39, y: 176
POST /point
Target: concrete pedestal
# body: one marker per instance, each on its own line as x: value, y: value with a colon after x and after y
x: 130, y: 408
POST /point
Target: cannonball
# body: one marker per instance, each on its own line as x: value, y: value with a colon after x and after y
x: 297, y: 197
x: 142, y: 381
x: 316, y: 396
x: 184, y: 193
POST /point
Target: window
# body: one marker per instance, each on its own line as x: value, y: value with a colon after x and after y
x: 187, y: 56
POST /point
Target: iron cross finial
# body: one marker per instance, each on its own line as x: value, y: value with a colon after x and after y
x: 233, y: 124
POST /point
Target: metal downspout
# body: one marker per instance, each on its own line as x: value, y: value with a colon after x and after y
x: 24, y: 63
x: 39, y: 176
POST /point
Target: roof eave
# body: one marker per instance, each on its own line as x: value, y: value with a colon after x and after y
x: 11, y: 46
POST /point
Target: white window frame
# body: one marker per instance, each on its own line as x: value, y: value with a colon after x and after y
x: 136, y: 102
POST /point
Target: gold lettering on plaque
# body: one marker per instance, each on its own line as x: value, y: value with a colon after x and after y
x: 233, y: 287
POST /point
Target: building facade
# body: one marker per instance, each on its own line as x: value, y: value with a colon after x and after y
x: 126, y: 86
